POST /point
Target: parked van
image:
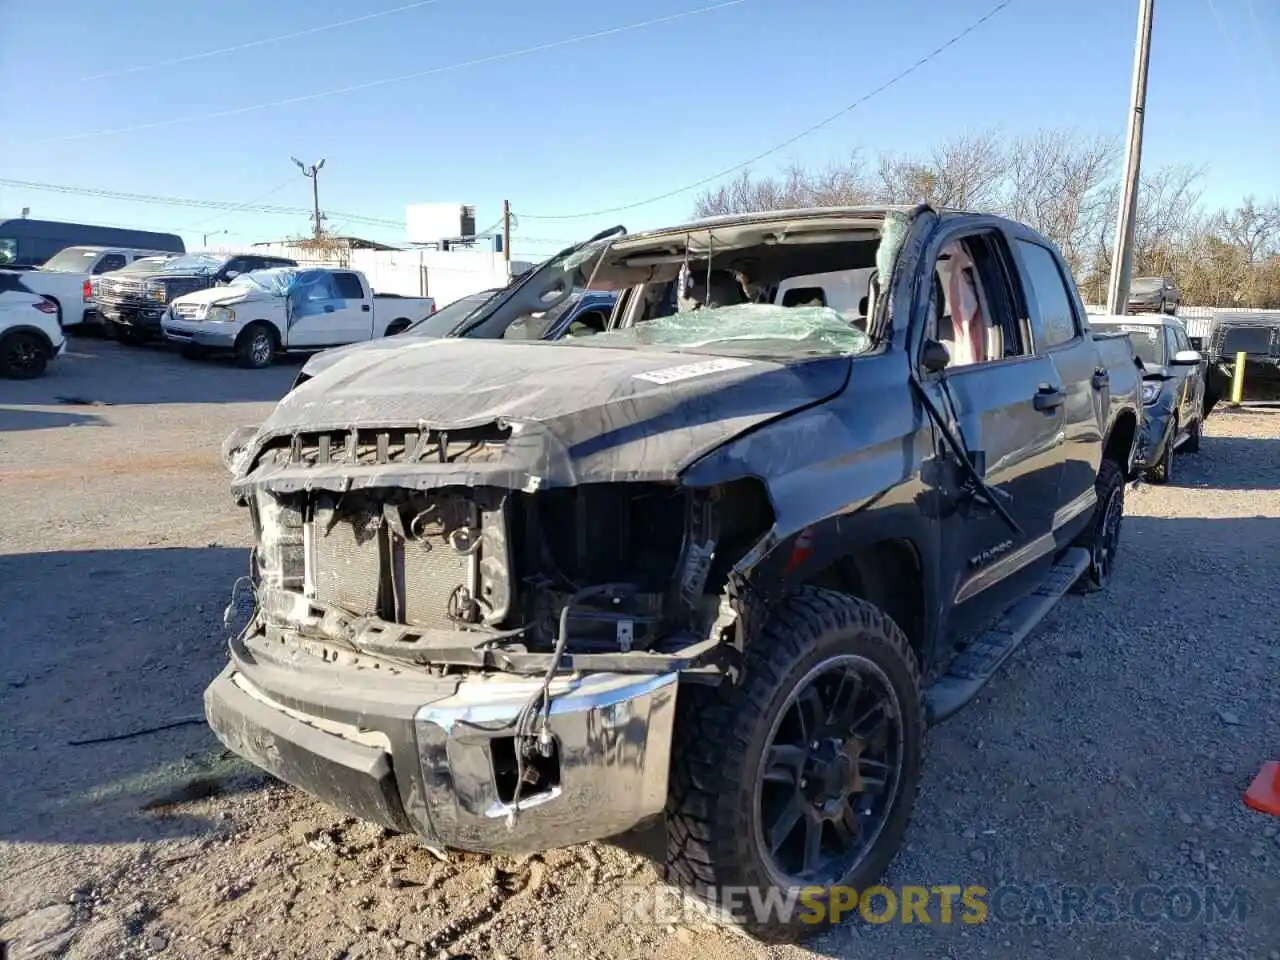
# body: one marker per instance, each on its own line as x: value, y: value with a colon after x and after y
x: 29, y: 243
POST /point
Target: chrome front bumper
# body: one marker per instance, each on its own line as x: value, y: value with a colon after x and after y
x: 218, y: 334
x: 432, y: 770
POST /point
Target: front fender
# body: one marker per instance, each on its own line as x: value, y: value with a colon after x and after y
x: 841, y: 476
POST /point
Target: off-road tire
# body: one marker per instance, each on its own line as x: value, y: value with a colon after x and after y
x: 1193, y: 436
x: 1109, y: 482
x: 130, y: 336
x: 1162, y: 472
x: 721, y: 732
x: 249, y: 348
x: 23, y: 355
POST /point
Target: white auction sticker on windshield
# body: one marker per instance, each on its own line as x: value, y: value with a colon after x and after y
x: 690, y: 370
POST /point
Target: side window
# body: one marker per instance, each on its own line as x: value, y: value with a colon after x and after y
x: 237, y: 265
x: 1180, y: 337
x: 1171, y: 341
x: 348, y: 286
x: 1057, y: 321
x: 112, y: 261
x: 972, y: 310
x: 319, y: 286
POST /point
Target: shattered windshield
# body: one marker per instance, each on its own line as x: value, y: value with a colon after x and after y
x: 751, y: 329
x: 275, y: 281
x: 193, y: 263
x: 144, y: 265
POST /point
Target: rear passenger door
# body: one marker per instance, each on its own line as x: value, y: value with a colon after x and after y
x: 355, y: 311
x: 992, y: 389
x: 1058, y: 332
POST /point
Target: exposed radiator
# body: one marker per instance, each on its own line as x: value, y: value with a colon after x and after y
x: 346, y: 560
x: 428, y: 561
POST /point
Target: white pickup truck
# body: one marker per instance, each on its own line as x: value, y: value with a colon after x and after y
x: 287, y: 309
x: 66, y: 278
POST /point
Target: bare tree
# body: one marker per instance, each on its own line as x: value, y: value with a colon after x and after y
x: 1253, y: 227
x: 840, y: 184
x: 1066, y: 186
x: 967, y: 171
x: 1061, y: 184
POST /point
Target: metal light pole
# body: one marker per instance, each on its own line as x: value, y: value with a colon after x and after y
x: 215, y: 233
x: 1126, y: 225
x: 313, y: 172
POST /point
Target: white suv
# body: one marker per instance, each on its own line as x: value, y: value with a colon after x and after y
x: 30, y: 335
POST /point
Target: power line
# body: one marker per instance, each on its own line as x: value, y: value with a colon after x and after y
x: 417, y: 75
x: 224, y: 205
x: 203, y: 225
x: 826, y: 121
x: 260, y: 43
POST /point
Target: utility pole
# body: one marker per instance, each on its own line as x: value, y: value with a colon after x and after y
x: 206, y: 236
x: 313, y: 172
x: 1126, y: 225
x: 506, y: 232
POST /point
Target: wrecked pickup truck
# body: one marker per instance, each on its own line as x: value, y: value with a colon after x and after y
x: 697, y: 583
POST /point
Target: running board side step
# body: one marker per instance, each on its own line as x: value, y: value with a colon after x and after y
x: 979, y: 661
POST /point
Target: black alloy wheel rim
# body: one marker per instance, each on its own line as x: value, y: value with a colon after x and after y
x: 23, y: 354
x: 829, y: 773
x: 1107, y: 540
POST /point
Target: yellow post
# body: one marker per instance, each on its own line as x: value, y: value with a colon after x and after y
x: 1237, y: 381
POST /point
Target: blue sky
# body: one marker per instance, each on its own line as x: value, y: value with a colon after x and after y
x: 586, y: 125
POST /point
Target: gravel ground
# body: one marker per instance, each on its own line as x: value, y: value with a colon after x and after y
x: 1112, y: 752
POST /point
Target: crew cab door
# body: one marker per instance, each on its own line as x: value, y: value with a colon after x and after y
x: 317, y: 315
x: 1004, y: 403
x: 1060, y: 333
x: 1193, y: 377
x: 355, y: 312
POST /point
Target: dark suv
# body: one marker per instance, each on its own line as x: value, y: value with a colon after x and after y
x: 132, y: 301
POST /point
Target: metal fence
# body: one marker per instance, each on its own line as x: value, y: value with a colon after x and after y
x: 1199, y: 321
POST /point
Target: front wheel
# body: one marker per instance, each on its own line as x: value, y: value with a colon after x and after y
x: 130, y: 335
x: 1193, y: 437
x: 1162, y: 472
x: 256, y: 346
x: 804, y: 774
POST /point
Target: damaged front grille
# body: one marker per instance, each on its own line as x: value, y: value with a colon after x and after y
x: 425, y: 574
x: 375, y: 447
x: 431, y: 560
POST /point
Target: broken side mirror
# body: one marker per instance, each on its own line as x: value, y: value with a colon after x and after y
x: 934, y: 357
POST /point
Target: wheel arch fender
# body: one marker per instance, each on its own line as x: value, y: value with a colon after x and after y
x: 41, y: 335
x: 1121, y: 441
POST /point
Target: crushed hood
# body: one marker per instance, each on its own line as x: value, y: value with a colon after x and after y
x: 577, y: 414
x: 212, y: 295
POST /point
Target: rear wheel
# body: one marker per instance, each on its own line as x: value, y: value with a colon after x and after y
x: 398, y: 325
x: 805, y: 773
x: 1102, y: 536
x: 256, y: 346
x: 23, y: 355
